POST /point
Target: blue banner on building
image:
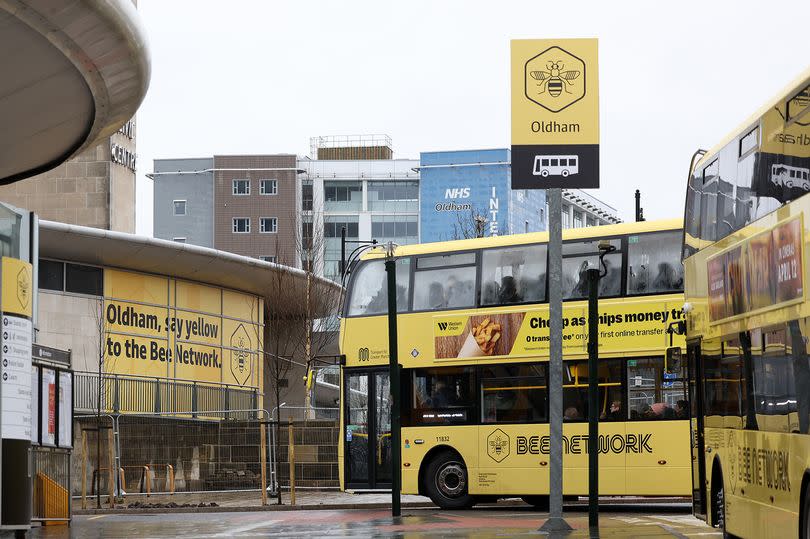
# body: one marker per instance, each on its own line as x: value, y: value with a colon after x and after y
x: 464, y: 194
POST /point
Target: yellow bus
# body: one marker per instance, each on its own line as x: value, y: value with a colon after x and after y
x: 747, y: 322
x: 473, y: 345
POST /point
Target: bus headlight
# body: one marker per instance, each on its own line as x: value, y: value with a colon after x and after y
x: 687, y: 308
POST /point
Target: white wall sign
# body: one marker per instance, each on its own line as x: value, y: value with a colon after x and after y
x: 34, y: 404
x: 16, y: 378
x: 65, y: 409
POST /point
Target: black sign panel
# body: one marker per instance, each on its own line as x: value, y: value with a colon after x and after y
x: 551, y: 166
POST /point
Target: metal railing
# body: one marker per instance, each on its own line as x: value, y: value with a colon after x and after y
x: 124, y: 394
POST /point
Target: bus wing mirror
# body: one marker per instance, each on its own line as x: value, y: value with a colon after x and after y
x: 673, y: 359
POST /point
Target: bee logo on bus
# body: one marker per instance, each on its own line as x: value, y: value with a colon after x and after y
x: 555, y: 165
x: 555, y: 79
x: 498, y: 445
x: 363, y: 354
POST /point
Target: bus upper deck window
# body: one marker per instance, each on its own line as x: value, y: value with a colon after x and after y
x: 653, y: 263
x: 369, y: 289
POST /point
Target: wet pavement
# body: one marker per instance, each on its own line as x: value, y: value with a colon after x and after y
x: 671, y: 520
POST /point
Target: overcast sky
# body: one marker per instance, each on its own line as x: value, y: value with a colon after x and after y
x: 263, y: 77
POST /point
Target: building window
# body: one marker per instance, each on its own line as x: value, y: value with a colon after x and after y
x: 179, y: 240
x: 268, y: 225
x: 268, y: 258
x: 241, y: 225
x: 577, y: 219
x: 179, y: 207
x: 268, y: 187
x: 306, y: 196
x: 333, y: 230
x: 566, y: 217
x: 51, y: 275
x: 84, y: 279
x: 241, y: 187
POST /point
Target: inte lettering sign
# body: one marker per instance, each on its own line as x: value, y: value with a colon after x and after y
x: 555, y: 114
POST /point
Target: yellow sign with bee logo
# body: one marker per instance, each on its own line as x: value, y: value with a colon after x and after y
x: 555, y: 113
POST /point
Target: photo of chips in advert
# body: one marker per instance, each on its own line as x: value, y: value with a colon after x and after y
x: 476, y: 336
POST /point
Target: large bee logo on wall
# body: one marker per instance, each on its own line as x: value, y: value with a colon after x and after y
x: 555, y: 79
x: 241, y: 361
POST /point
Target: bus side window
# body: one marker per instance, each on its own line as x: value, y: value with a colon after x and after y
x: 653, y: 395
x: 653, y: 263
x: 444, y: 282
x: 514, y: 393
x: 611, y: 391
x: 513, y: 275
x: 369, y: 289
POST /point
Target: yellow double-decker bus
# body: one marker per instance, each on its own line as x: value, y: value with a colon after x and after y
x: 747, y: 322
x: 473, y: 345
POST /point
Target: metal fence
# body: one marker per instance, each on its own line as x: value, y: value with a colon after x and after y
x: 123, y: 394
x: 165, y: 453
x: 51, y: 478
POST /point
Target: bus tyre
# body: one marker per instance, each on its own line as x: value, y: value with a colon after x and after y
x: 538, y: 502
x: 804, y: 532
x: 719, y: 503
x: 446, y: 481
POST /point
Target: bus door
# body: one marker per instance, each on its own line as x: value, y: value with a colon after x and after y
x: 695, y: 366
x: 367, y: 436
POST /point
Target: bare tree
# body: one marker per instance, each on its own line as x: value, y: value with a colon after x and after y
x: 300, y: 318
x: 103, y: 332
x: 471, y: 224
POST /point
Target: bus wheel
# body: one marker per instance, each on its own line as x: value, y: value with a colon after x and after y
x: 804, y: 532
x: 446, y: 481
x: 538, y: 502
x: 719, y: 501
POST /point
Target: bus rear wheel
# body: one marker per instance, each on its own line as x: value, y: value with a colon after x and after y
x: 719, y: 502
x: 446, y: 481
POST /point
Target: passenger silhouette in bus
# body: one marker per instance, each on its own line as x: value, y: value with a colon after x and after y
x: 571, y: 414
x: 639, y: 278
x: 682, y: 409
x: 581, y: 288
x: 615, y: 413
x: 442, y: 396
x: 508, y: 293
x: 610, y: 284
x: 667, y: 278
x: 489, y: 295
x: 436, y: 296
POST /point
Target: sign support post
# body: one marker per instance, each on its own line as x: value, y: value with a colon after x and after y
x: 555, y: 521
x: 593, y: 398
x: 393, y: 374
x: 555, y: 146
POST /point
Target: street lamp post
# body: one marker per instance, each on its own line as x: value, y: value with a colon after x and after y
x: 594, y: 275
x: 393, y: 374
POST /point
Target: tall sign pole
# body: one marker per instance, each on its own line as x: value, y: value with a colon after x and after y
x: 393, y: 373
x: 555, y: 521
x: 555, y: 145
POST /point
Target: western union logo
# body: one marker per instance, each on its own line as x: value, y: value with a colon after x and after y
x: 449, y: 326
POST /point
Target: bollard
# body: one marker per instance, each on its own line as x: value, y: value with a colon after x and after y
x: 122, y: 484
x: 263, y: 460
x: 171, y: 478
x: 84, y: 469
x: 147, y: 480
x: 291, y: 451
x: 111, y: 468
